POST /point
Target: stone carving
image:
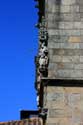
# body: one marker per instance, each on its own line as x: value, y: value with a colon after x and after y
x: 43, y: 50
x: 43, y: 59
x: 43, y: 113
x: 43, y: 63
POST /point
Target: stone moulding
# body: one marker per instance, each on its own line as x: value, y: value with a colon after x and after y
x: 62, y: 82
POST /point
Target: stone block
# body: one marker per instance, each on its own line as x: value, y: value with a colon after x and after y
x: 51, y: 124
x: 63, y: 45
x: 69, y: 32
x: 77, y: 17
x: 60, y: 113
x: 56, y: 58
x: 70, y: 74
x: 66, y: 25
x: 81, y: 8
x: 78, y: 66
x: 80, y: 2
x: 81, y: 52
x: 69, y: 45
x: 65, y: 9
x: 77, y: 25
x: 59, y: 121
x: 71, y: 17
x: 59, y: 33
x: 74, y: 39
x: 65, y: 65
x: 54, y: 8
x: 54, y: 17
x: 68, y: 17
x: 58, y: 52
x: 50, y: 51
x: 81, y: 45
x: 68, y: 2
x: 52, y: 66
x: 81, y: 15
x: 54, y: 45
x: 57, y: 97
x: 81, y: 59
x: 81, y: 32
x: 64, y: 73
x: 53, y: 25
x: 73, y: 52
x: 55, y: 104
x: 53, y: 32
x: 51, y: 73
x: 53, y: 38
x: 81, y: 27
x: 81, y: 37
x: 68, y: 52
x: 74, y: 9
x: 77, y: 74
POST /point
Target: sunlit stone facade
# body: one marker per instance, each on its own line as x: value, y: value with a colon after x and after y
x: 62, y: 93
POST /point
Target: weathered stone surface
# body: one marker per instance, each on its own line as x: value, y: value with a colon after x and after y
x: 64, y: 33
x: 70, y: 59
x: 68, y: 2
x: 59, y: 113
x: 67, y: 52
x: 56, y: 58
x: 52, y: 66
x: 78, y: 66
x: 63, y: 59
x: 74, y: 8
x: 52, y: 73
x: 81, y: 8
x: 68, y: 73
x: 66, y: 25
x: 64, y: 105
x: 65, y: 90
x: 64, y: 2
x: 65, y: 44
x: 65, y: 65
x: 68, y: 17
x: 53, y: 45
x: 74, y: 39
x: 81, y: 59
x: 54, y: 97
x: 57, y: 8
x: 81, y: 15
x: 79, y: 2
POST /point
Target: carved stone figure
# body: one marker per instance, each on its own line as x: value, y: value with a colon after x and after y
x: 43, y: 50
x: 43, y: 62
x: 39, y: 76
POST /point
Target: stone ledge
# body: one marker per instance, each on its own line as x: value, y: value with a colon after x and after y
x: 62, y: 82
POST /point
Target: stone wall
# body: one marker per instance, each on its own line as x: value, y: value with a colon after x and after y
x: 65, y: 43
x: 65, y: 105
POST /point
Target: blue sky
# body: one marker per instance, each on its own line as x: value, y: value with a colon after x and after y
x: 18, y: 46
